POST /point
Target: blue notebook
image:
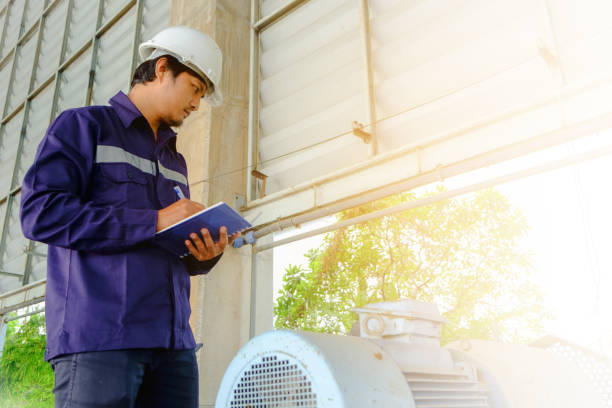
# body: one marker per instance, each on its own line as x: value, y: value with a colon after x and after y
x: 173, y: 238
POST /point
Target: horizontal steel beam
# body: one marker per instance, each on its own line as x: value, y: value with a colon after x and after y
x: 24, y: 296
x: 277, y: 15
x: 575, y: 159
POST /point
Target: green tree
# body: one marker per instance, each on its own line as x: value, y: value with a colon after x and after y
x: 463, y: 254
x: 26, y: 380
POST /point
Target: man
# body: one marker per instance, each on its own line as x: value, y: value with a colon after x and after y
x: 104, y: 180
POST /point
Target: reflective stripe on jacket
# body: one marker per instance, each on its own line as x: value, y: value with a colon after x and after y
x: 92, y: 194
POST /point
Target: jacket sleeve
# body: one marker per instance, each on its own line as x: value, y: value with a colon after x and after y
x: 196, y: 267
x: 53, y: 208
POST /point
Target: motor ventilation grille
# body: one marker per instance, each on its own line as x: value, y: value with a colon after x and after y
x: 436, y: 391
x: 597, y: 368
x: 272, y: 381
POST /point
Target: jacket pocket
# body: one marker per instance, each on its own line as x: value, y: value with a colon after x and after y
x: 120, y: 184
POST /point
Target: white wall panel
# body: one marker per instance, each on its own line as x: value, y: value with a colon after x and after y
x: 36, y: 125
x: 82, y: 25
x: 155, y: 16
x: 584, y: 32
x: 13, y: 26
x: 50, y: 48
x: 38, y: 262
x: 9, y: 139
x: 32, y: 12
x: 23, y: 71
x: 112, y: 72
x: 7, y: 283
x: 3, y: 13
x: 13, y: 252
x: 311, y: 90
x: 266, y: 7
x: 111, y: 8
x: 456, y: 64
x: 73, y: 83
x: 114, y: 59
x: 5, y: 74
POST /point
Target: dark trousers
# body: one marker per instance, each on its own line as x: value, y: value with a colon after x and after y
x: 126, y: 378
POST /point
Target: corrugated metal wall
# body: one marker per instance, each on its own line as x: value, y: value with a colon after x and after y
x: 47, y: 50
x: 478, y: 71
x: 311, y: 89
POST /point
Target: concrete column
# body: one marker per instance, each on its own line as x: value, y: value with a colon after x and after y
x: 214, y: 143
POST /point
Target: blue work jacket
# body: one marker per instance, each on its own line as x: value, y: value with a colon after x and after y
x: 92, y: 194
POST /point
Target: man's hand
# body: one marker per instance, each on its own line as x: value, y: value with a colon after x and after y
x: 176, y: 212
x: 204, y: 249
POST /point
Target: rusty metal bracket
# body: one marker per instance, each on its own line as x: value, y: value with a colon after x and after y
x: 360, y: 133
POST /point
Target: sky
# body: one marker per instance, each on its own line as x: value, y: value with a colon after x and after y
x: 569, y: 211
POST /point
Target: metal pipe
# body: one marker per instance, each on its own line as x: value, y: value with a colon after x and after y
x: 369, y: 74
x: 3, y: 327
x: 252, y: 149
x: 137, y: 29
x: 22, y: 304
x: 253, y: 103
x: 34, y: 312
x: 593, y: 154
x: 253, y: 300
x: 276, y: 15
x: 21, y: 289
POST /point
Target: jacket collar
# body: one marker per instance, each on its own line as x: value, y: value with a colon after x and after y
x: 128, y: 113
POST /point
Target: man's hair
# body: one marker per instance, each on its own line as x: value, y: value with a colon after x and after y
x: 146, y: 71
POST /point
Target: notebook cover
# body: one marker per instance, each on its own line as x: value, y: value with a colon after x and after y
x: 173, y: 238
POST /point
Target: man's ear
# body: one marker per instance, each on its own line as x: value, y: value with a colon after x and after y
x: 161, y: 68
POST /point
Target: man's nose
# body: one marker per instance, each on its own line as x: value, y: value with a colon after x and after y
x: 195, y: 103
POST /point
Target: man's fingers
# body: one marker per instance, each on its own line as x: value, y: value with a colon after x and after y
x: 210, y: 245
x: 200, y: 246
x: 222, y: 239
x: 192, y: 250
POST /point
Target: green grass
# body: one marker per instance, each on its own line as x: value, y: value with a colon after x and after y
x: 26, y: 379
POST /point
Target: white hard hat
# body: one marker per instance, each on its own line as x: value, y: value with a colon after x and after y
x: 192, y: 48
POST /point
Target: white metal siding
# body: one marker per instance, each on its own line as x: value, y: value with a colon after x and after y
x: 12, y: 27
x: 112, y: 68
x: 13, y: 251
x: 9, y: 139
x: 73, y: 83
x: 82, y: 25
x: 5, y: 75
x: 269, y: 6
x: 23, y: 71
x: 311, y: 91
x: 38, y: 119
x: 155, y: 14
x: 50, y: 48
x: 32, y: 11
x: 111, y: 8
x: 453, y: 81
x: 443, y: 67
x: 108, y: 58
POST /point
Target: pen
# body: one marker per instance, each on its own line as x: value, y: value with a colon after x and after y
x: 179, y: 193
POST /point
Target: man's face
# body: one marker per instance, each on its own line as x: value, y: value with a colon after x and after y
x: 181, y: 95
